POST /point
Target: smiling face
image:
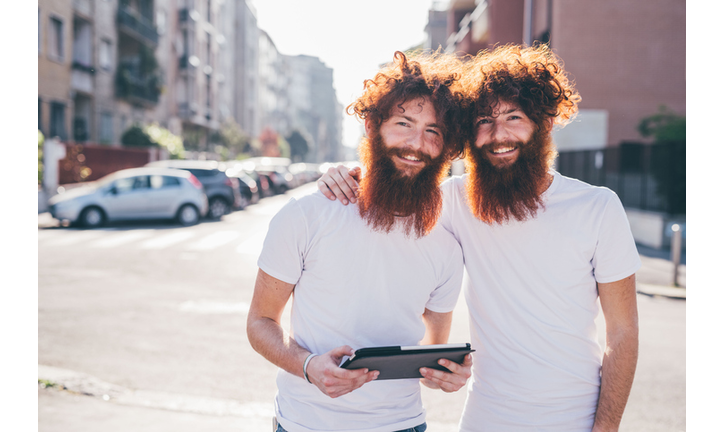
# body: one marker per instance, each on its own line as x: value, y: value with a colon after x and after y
x: 411, y: 135
x: 501, y: 135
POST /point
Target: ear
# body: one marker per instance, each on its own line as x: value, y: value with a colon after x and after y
x: 368, y: 126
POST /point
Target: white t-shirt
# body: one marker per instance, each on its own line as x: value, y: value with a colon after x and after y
x: 356, y: 287
x: 532, y: 296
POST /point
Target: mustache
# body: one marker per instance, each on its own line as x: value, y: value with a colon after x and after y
x: 402, y: 152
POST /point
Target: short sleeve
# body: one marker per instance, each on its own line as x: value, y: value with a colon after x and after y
x: 444, y: 298
x: 616, y: 256
x: 282, y: 256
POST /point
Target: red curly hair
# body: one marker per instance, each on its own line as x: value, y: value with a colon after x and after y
x: 532, y: 77
x: 435, y: 76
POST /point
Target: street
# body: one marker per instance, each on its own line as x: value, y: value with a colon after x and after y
x: 144, y: 325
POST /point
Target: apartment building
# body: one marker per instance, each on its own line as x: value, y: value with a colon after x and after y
x: 55, y: 100
x: 627, y: 58
x: 105, y: 65
x: 274, y: 85
x: 314, y: 106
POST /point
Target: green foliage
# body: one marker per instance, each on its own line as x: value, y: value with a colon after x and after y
x: 664, y: 126
x: 233, y: 139
x: 154, y: 135
x: 668, y: 164
x: 284, y: 150
x: 299, y: 146
x: 135, y: 136
x: 164, y: 138
x: 41, y: 140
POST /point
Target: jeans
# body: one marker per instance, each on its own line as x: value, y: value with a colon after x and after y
x: 420, y: 428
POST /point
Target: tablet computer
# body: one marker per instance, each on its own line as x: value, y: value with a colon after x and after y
x: 399, y: 362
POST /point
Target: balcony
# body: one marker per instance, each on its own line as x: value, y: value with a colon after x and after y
x: 135, y: 87
x: 81, y: 77
x: 137, y: 26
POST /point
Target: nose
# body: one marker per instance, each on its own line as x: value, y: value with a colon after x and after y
x: 416, y: 140
x: 500, y: 133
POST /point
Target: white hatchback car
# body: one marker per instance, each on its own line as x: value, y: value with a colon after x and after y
x: 132, y: 194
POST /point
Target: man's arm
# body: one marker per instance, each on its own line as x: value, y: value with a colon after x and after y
x: 268, y: 338
x: 339, y: 182
x: 437, y: 331
x: 618, y: 303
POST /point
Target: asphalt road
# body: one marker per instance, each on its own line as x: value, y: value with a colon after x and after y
x: 142, y: 327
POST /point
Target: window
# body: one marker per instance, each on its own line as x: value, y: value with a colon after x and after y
x: 105, y: 56
x: 82, y: 42
x: 40, y: 114
x: 57, y: 120
x: 39, y: 32
x: 158, y: 182
x: 106, y: 132
x: 55, y: 39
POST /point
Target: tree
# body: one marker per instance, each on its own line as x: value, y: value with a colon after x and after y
x: 135, y: 136
x: 668, y: 162
x: 154, y: 135
x: 233, y: 138
x: 164, y: 138
x: 298, y: 145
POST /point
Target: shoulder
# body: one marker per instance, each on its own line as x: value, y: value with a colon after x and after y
x: 453, y: 185
x: 582, y: 190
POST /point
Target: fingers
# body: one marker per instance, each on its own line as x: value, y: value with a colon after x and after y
x: 333, y: 380
x: 448, y: 381
x: 338, y: 182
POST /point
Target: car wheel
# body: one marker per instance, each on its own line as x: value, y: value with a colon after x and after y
x: 188, y: 215
x: 217, y: 208
x: 243, y: 202
x: 92, y: 217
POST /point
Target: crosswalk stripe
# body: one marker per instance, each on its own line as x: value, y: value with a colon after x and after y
x: 72, y: 237
x: 120, y: 238
x: 167, y: 240
x: 214, y: 240
x: 254, y: 244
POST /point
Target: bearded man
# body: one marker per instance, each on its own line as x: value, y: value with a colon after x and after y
x: 400, y: 287
x: 541, y: 251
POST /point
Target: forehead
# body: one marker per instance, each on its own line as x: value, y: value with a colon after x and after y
x: 421, y: 106
x: 499, y: 107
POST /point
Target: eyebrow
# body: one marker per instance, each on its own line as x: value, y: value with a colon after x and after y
x: 411, y: 120
x: 508, y: 111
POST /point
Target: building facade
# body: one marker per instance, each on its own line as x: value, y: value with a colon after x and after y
x: 189, y: 65
x: 55, y: 100
x: 627, y: 58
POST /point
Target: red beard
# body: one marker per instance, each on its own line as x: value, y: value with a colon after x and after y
x: 496, y: 195
x: 387, y: 197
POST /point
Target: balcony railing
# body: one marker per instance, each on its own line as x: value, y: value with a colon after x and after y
x: 136, y: 87
x: 137, y: 25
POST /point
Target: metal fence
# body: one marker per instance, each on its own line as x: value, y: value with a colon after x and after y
x: 645, y: 176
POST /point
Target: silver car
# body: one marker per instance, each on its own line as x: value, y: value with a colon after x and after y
x: 131, y: 194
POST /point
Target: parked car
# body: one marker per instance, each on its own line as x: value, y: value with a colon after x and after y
x: 221, y: 190
x: 132, y: 194
x: 266, y: 188
x: 248, y: 189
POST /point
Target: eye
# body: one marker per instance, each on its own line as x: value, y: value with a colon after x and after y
x: 434, y: 131
x: 402, y: 123
x: 483, y: 121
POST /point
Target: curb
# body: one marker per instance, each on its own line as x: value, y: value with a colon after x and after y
x: 661, y: 291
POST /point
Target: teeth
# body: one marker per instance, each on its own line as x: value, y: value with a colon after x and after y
x: 503, y: 150
x: 411, y: 158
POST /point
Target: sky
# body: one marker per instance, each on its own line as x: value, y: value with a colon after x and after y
x: 351, y: 37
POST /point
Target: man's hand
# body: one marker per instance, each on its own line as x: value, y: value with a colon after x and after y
x: 339, y: 182
x: 448, y: 381
x: 323, y: 371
